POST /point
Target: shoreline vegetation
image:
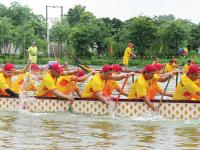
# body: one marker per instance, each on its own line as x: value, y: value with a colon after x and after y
x: 80, y: 33
x: 98, y: 61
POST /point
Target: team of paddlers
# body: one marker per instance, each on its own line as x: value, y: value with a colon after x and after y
x: 61, y: 81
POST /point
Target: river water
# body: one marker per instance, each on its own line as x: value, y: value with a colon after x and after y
x: 25, y: 130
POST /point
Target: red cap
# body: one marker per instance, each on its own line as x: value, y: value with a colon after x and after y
x: 81, y: 73
x: 194, y: 69
x: 158, y: 66
x: 106, y: 68
x: 57, y: 68
x: 116, y: 67
x: 149, y: 68
x: 35, y: 67
x: 8, y: 67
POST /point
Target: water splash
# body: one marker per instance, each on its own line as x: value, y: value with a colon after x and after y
x: 26, y: 96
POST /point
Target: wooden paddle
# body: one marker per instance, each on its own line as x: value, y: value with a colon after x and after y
x: 73, y: 92
x: 160, y: 103
x: 176, y: 79
x: 121, y: 89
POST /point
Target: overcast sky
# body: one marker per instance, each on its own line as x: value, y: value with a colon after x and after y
x: 121, y: 9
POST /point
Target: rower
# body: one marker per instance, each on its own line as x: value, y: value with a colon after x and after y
x: 112, y: 85
x: 187, y: 65
x: 47, y: 87
x: 144, y: 87
x: 170, y: 67
x: 19, y: 84
x: 187, y: 89
x: 67, y: 84
x: 94, y: 88
x: 6, y: 76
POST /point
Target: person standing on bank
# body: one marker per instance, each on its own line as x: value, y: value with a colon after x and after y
x: 32, y: 53
x: 127, y: 55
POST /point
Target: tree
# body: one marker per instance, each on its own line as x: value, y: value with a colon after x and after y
x: 142, y: 31
x: 60, y: 33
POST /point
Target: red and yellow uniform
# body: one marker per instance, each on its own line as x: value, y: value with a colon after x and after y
x: 169, y: 67
x: 16, y: 86
x: 142, y: 87
x: 126, y: 56
x: 46, y: 86
x: 66, y: 85
x: 5, y: 83
x: 94, y: 85
x: 186, y: 89
x: 110, y: 86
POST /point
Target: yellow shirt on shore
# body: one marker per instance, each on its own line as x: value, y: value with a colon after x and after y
x: 126, y: 56
x: 186, y: 89
x: 142, y: 87
x: 32, y: 51
x: 66, y: 85
x: 110, y: 86
x: 5, y: 83
x: 16, y: 86
x: 47, y: 84
x: 94, y: 85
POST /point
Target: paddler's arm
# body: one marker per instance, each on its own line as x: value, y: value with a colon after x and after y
x: 70, y: 72
x: 61, y: 95
x: 148, y: 102
x: 83, y: 78
x: 165, y: 77
x: 11, y: 93
x: 99, y: 96
x: 121, y: 77
x: 26, y: 68
x: 166, y: 94
x: 125, y: 93
x: 78, y: 91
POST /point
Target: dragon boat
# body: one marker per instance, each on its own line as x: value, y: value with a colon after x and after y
x: 171, y: 109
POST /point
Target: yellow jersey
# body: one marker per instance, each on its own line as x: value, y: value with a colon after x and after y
x: 186, y: 89
x: 142, y: 87
x: 5, y: 83
x: 110, y: 86
x: 47, y: 84
x: 16, y: 86
x: 169, y: 67
x: 66, y: 85
x: 126, y: 56
x: 94, y: 85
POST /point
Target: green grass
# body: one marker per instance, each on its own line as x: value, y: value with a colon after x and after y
x: 96, y: 61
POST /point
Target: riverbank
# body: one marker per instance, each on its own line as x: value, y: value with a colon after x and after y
x: 96, y: 61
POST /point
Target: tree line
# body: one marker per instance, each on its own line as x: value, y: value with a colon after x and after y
x: 80, y: 33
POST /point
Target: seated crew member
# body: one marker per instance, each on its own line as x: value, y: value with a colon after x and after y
x: 6, y: 76
x: 67, y: 84
x: 145, y: 87
x: 187, y: 89
x: 170, y: 67
x: 47, y: 87
x: 94, y: 88
x: 187, y: 65
x: 112, y: 85
x: 20, y: 85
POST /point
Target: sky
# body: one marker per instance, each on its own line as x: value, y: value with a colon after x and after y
x: 120, y: 9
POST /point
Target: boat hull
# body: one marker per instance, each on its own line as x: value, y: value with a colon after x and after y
x: 126, y: 108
